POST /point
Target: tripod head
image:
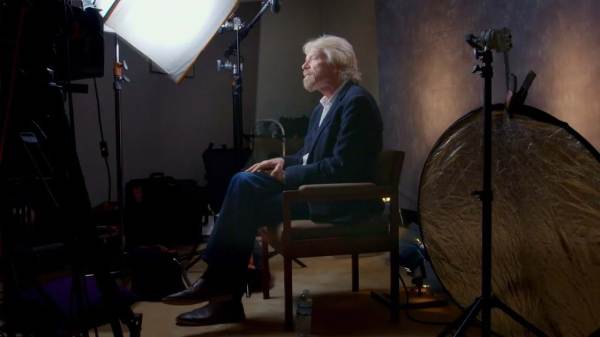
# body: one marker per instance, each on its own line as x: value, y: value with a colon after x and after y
x: 499, y: 40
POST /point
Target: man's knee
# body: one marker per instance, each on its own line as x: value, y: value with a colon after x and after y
x: 241, y: 178
x: 259, y: 184
x: 242, y: 182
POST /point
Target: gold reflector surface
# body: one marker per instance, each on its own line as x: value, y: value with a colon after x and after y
x: 546, y: 220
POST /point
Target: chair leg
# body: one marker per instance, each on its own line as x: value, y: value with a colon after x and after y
x: 394, y: 284
x: 287, y: 287
x: 354, y: 272
x: 266, y: 273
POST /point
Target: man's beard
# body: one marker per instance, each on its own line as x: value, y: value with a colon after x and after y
x: 309, y: 83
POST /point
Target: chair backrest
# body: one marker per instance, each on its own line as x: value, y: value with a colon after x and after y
x: 269, y: 140
x: 389, y: 167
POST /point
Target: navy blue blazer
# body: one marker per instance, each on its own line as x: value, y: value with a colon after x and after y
x: 343, y: 149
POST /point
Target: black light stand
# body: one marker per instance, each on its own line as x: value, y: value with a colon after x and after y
x: 487, y: 300
x: 239, y: 154
x: 241, y: 31
x: 118, y: 80
x: 236, y: 83
x: 412, y: 258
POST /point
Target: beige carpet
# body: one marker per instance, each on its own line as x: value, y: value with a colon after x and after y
x: 336, y: 310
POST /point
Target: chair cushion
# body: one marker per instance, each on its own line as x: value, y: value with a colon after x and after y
x: 376, y: 225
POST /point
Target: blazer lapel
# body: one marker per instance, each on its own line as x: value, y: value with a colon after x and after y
x: 330, y: 114
x: 314, y: 127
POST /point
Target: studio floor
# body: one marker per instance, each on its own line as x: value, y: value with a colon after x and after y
x: 336, y: 310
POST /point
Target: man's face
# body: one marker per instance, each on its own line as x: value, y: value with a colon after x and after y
x: 317, y: 72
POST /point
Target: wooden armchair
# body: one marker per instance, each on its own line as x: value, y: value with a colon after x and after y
x: 305, y: 238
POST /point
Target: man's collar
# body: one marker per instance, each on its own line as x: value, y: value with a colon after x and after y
x: 328, y: 101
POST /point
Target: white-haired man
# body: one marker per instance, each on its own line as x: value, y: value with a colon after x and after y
x: 343, y: 140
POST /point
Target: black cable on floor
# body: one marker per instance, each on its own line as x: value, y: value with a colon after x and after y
x: 103, y: 145
x: 407, y: 311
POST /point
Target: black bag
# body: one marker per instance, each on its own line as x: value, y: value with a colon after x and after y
x: 155, y: 272
x: 164, y: 210
x: 220, y: 165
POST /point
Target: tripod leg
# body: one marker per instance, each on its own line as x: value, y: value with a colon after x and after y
x: 454, y: 323
x: 192, y: 262
x: 116, y: 328
x: 517, y: 318
x: 300, y: 263
x: 471, y: 315
x: 295, y: 260
x: 462, y: 321
x: 134, y: 325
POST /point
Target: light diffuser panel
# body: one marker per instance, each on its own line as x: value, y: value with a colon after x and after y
x: 170, y: 33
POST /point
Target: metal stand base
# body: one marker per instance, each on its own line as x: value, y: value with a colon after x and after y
x: 386, y: 300
x: 469, y: 315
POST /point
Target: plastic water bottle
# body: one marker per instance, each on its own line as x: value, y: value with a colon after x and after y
x: 303, y: 314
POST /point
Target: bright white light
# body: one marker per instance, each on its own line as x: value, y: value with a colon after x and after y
x: 103, y: 6
x: 170, y: 33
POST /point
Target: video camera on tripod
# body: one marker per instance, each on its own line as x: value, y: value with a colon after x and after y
x: 58, y: 35
x: 49, y: 248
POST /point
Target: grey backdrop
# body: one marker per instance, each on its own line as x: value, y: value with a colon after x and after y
x: 424, y: 67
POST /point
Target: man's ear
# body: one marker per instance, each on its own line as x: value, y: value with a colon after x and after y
x: 337, y: 69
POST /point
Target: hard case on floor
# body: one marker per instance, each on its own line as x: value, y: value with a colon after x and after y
x: 163, y: 210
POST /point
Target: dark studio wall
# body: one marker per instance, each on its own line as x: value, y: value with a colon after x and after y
x: 425, y: 67
x: 280, y: 92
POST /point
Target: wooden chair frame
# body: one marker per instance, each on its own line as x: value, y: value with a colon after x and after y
x: 390, y: 163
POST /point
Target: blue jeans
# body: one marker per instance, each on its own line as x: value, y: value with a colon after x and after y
x: 252, y: 200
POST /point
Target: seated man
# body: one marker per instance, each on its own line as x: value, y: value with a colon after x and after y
x: 342, y: 143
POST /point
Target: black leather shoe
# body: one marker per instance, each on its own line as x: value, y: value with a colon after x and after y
x: 201, y: 291
x: 219, y: 312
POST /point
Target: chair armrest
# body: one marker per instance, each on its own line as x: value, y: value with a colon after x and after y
x: 342, y: 191
x: 336, y: 192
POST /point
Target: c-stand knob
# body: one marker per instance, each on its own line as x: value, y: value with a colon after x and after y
x: 477, y: 69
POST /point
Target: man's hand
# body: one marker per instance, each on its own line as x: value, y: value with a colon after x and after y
x: 272, y: 166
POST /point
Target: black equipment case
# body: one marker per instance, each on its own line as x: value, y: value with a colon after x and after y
x: 221, y: 165
x: 163, y: 210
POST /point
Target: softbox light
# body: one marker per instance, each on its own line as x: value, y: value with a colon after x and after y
x: 170, y: 33
x: 103, y: 6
